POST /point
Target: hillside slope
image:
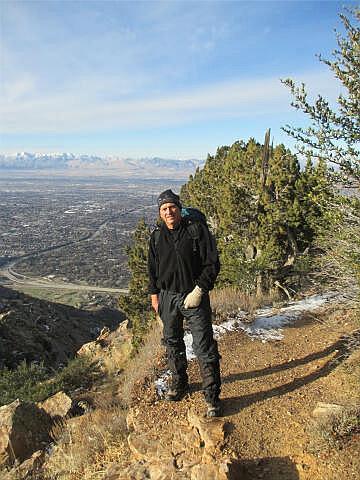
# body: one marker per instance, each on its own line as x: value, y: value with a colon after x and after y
x: 270, y: 390
x: 272, y: 383
x: 37, y: 330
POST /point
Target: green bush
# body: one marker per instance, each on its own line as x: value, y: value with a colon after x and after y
x: 33, y: 382
x: 264, y: 211
x: 79, y: 372
x: 27, y: 382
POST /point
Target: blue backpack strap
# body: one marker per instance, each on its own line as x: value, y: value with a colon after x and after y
x: 193, y: 217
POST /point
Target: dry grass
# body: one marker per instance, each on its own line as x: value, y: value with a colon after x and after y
x: 228, y: 300
x: 88, y: 445
x: 115, y: 357
x: 142, y: 365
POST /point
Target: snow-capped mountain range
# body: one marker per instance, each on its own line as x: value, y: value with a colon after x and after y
x: 124, y: 166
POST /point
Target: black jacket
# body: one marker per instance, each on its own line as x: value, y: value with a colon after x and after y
x: 177, y: 264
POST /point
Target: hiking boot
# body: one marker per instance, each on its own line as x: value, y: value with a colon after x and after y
x: 214, y: 408
x: 176, y: 393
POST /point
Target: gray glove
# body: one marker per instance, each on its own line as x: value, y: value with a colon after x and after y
x: 193, y: 298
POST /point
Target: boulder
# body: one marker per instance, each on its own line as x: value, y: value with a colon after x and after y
x: 150, y: 448
x: 30, y: 467
x: 135, y: 471
x: 162, y: 471
x: 90, y: 349
x: 57, y: 406
x: 210, y: 472
x: 211, y: 430
x: 24, y: 429
x: 106, y: 339
x: 186, y: 449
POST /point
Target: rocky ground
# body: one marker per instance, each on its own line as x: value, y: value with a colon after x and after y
x: 270, y: 430
x: 269, y: 393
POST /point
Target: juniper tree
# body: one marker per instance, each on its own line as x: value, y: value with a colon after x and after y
x: 136, y: 305
x: 251, y: 190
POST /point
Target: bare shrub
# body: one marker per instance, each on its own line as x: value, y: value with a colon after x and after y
x: 338, y: 267
x: 229, y: 300
x: 334, y: 429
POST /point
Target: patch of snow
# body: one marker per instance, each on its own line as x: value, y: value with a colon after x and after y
x: 161, y: 383
x: 267, y: 326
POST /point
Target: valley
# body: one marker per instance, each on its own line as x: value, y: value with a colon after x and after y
x: 64, y: 233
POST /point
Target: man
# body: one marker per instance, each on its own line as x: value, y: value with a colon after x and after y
x: 182, y: 270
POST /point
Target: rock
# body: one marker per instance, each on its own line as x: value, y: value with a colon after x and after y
x: 149, y: 448
x: 211, y: 430
x: 29, y: 467
x: 162, y: 471
x: 187, y: 450
x: 59, y: 405
x: 104, y: 333
x: 105, y: 339
x: 90, y: 349
x: 186, y: 447
x: 24, y: 429
x: 124, y: 331
x: 327, y: 409
x: 136, y: 471
x: 209, y: 472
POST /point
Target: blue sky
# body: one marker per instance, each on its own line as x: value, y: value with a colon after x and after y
x: 167, y: 78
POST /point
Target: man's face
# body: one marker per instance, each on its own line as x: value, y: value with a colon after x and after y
x: 170, y: 214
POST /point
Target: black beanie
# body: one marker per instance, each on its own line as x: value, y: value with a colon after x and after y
x: 169, y: 197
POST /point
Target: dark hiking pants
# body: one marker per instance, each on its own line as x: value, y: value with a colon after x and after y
x: 172, y: 313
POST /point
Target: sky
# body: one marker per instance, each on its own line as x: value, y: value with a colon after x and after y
x: 174, y: 79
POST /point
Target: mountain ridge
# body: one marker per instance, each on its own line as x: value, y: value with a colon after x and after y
x: 71, y: 161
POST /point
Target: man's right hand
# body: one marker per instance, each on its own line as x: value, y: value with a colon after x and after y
x: 155, y: 302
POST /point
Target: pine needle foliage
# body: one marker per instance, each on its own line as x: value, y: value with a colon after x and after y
x: 136, y: 305
x: 264, y: 211
x: 334, y: 133
x: 34, y: 382
x: 334, y: 136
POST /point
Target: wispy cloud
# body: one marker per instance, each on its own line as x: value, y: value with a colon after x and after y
x: 92, y: 71
x: 88, y: 109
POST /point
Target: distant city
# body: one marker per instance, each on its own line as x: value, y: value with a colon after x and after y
x: 65, y: 229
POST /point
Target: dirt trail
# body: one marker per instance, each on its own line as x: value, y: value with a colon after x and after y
x: 269, y: 392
